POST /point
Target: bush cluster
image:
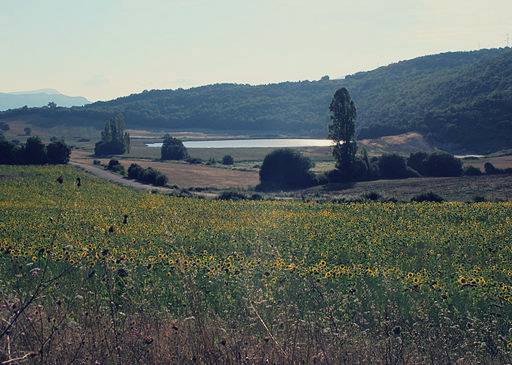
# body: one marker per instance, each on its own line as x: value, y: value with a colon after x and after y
x: 394, y: 166
x: 194, y: 161
x: 173, y: 149
x: 490, y: 169
x: 435, y: 164
x: 427, y: 197
x: 147, y: 175
x: 33, y: 152
x: 228, y: 160
x: 115, y: 166
x: 286, y: 169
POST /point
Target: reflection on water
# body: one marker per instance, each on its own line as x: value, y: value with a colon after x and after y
x: 250, y: 143
x: 270, y: 142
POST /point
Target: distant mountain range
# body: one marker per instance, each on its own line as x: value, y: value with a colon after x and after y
x: 38, y: 98
x: 460, y: 101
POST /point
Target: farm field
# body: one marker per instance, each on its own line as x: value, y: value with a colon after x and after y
x: 187, y: 175
x: 462, y: 188
x: 102, y: 273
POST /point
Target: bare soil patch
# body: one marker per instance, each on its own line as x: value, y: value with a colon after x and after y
x: 186, y: 175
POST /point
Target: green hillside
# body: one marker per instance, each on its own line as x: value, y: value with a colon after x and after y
x: 462, y: 101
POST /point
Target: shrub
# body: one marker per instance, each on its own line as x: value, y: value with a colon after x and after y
x: 334, y: 176
x: 443, y: 164
x: 194, y: 160
x: 427, y: 197
x: 173, y: 149
x: 58, y: 153
x: 231, y: 195
x: 256, y: 197
x: 115, y: 166
x: 147, y: 176
x: 211, y: 161
x: 479, y: 199
x: 228, y: 160
x: 321, y: 179
x: 490, y: 169
x: 373, y: 196
x: 284, y: 169
x: 393, y: 166
x: 135, y: 171
x: 472, y: 171
x: 416, y: 161
x: 35, y: 151
x: 96, y: 162
x: 363, y: 169
x: 8, y: 151
x: 160, y: 180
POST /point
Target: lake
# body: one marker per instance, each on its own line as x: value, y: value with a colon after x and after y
x: 268, y: 142
x: 254, y: 143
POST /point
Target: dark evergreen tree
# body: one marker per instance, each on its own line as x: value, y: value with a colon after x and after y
x: 173, y: 149
x: 342, y: 130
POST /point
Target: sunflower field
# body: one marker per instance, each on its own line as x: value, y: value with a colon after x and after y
x: 96, y: 272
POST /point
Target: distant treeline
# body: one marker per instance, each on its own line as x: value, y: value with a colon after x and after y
x: 460, y: 101
x: 33, y: 152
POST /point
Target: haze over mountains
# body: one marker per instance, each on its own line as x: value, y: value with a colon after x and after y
x: 38, y: 98
x: 460, y: 101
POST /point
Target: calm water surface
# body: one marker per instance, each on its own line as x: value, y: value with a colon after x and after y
x: 269, y: 142
x: 249, y: 143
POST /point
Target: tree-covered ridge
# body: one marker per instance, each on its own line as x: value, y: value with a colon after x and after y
x: 461, y: 101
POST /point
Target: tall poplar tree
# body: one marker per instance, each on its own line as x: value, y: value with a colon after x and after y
x: 342, y: 131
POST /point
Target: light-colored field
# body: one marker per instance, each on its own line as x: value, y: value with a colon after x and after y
x: 463, y: 188
x: 186, y: 175
x: 501, y: 162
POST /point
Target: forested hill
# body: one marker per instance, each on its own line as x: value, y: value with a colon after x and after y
x: 461, y: 101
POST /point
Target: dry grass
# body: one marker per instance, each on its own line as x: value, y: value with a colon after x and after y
x: 186, y: 175
x: 501, y: 162
x: 464, y: 188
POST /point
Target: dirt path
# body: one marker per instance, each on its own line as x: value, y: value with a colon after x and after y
x: 107, y: 175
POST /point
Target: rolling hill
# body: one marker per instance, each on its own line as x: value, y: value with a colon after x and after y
x: 460, y: 101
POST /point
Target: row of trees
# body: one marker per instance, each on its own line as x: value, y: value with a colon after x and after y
x: 33, y: 152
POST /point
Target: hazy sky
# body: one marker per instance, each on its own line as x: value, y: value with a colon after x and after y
x: 102, y: 49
